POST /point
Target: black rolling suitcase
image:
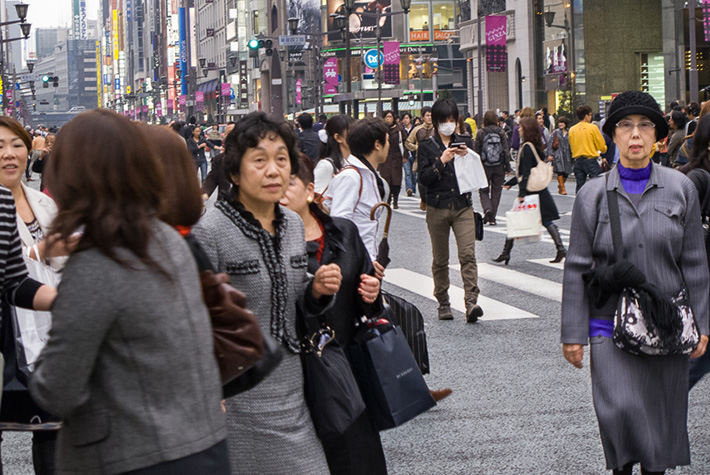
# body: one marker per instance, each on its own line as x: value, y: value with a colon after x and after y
x: 408, y: 317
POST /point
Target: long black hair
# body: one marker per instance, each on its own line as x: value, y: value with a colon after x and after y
x: 701, y: 139
x: 331, y: 149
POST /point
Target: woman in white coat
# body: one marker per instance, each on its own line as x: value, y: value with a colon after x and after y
x: 35, y: 213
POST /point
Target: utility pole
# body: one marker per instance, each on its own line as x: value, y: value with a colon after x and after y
x: 479, y: 51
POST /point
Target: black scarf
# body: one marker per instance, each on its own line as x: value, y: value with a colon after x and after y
x: 380, y: 183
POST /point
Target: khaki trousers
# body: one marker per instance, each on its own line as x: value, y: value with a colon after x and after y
x: 439, y: 221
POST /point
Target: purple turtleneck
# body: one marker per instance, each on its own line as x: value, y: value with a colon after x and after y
x: 634, y: 180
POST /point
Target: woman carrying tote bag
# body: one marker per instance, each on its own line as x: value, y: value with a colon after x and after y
x: 529, y: 159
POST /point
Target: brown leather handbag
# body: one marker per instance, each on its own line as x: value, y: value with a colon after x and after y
x: 238, y: 342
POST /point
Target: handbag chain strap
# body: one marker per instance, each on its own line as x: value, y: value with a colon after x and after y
x: 612, y: 198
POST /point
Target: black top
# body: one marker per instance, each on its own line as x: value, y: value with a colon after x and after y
x: 442, y: 188
x: 310, y: 144
x: 194, y: 147
x: 217, y: 178
x: 344, y: 247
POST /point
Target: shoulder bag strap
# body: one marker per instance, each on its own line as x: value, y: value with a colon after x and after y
x: 537, y: 157
x: 615, y: 221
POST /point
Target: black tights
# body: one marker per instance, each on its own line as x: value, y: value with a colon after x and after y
x: 629, y: 469
x: 43, y: 443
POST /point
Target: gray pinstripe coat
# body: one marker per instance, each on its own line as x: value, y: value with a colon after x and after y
x: 663, y: 237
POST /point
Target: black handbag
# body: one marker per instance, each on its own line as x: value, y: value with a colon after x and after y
x: 479, y: 225
x: 330, y: 389
x: 392, y: 386
x: 408, y: 317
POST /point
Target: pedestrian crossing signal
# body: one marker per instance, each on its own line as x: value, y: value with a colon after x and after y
x: 45, y: 78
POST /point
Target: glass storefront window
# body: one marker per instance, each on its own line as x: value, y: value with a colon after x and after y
x: 444, y: 20
x: 419, y: 22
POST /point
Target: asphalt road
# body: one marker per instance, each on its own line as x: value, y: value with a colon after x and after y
x: 517, y: 406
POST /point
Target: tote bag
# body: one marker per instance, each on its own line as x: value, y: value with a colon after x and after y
x: 524, y: 220
x: 31, y: 327
x: 540, y: 175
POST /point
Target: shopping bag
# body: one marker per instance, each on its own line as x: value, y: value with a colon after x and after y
x: 524, y: 219
x: 30, y: 327
x: 470, y: 174
x: 392, y: 386
x: 407, y: 316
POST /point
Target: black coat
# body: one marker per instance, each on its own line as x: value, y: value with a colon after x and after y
x: 442, y: 188
x: 548, y: 209
x: 217, y: 178
x: 343, y: 247
x: 310, y: 144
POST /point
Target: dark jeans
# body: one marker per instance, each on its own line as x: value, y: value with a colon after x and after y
x: 43, y: 445
x: 410, y: 177
x: 203, y: 170
x: 490, y: 197
x: 583, y: 167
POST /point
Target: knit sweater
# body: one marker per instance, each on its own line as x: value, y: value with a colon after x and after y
x: 585, y: 140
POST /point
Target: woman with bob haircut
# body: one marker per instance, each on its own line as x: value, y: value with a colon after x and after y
x: 262, y: 246
x: 130, y: 369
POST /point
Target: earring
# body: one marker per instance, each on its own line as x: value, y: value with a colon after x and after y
x: 309, y: 200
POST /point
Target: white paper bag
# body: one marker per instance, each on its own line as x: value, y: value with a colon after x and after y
x: 470, y: 174
x: 31, y: 328
x: 524, y: 220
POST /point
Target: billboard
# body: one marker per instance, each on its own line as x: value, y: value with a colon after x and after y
x: 363, y: 21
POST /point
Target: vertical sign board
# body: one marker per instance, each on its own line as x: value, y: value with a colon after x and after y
x: 114, y: 30
x: 391, y: 63
x: 82, y: 19
x: 76, y: 20
x: 226, y: 92
x: 243, y: 83
x: 299, y: 97
x: 706, y: 19
x: 199, y: 101
x: 182, y: 27
x: 496, y: 53
x: 653, y: 80
x: 330, y: 75
x: 98, y: 74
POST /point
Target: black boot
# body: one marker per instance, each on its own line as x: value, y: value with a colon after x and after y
x: 555, y: 235
x: 505, y: 255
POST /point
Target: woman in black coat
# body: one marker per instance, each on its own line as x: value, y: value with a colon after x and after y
x: 530, y: 132
x: 332, y: 240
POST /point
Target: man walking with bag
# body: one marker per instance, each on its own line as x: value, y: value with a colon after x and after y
x: 492, y: 145
x: 448, y: 209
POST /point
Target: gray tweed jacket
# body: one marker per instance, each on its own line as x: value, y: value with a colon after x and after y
x: 662, y: 236
x: 129, y: 364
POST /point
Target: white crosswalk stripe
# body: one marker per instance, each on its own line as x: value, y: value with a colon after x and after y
x: 410, y: 207
x: 424, y: 286
x: 519, y: 280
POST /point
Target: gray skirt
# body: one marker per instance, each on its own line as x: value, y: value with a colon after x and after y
x: 641, y: 404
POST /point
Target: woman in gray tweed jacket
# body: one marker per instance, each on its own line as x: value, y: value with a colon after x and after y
x: 262, y: 247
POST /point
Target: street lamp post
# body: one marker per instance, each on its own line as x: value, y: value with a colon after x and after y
x: 21, y: 10
x: 349, y: 5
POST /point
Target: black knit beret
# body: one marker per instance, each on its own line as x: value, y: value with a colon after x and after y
x: 635, y: 102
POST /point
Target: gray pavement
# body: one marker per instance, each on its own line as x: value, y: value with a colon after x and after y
x: 517, y: 407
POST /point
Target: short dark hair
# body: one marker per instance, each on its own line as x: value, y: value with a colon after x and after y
x: 504, y: 112
x: 679, y: 119
x: 231, y: 122
x: 305, y: 120
x: 582, y: 112
x: 694, y: 109
x: 406, y: 114
x: 193, y: 120
x: 363, y: 135
x: 389, y: 112
x: 322, y: 117
x: 490, y: 118
x: 305, y: 169
x: 16, y: 128
x: 425, y: 109
x: 565, y: 120
x: 248, y: 132
x: 443, y: 110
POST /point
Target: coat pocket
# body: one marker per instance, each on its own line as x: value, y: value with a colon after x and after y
x: 242, y: 267
x: 668, y: 221
x: 299, y: 261
x: 89, y: 428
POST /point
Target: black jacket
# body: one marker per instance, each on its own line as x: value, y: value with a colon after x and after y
x: 310, y: 144
x: 344, y: 247
x: 217, y: 177
x: 442, y: 189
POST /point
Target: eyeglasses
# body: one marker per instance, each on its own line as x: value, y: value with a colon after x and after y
x: 627, y: 126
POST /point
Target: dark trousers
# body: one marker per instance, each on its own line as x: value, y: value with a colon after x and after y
x: 490, y: 197
x: 213, y: 461
x: 584, y: 167
x: 43, y: 445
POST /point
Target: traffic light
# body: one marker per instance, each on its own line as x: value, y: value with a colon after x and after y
x: 55, y: 81
x: 45, y: 81
x: 253, y: 48
x: 268, y: 47
x: 256, y: 44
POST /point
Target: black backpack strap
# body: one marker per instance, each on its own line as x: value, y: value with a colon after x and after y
x: 612, y: 198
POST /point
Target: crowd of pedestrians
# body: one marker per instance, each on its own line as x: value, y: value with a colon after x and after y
x: 130, y: 380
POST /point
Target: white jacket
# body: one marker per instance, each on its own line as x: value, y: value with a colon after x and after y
x: 45, y: 210
x: 345, y: 199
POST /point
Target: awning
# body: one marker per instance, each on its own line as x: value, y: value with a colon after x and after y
x: 208, y: 86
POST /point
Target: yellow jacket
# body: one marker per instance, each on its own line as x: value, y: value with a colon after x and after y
x: 472, y: 123
x: 585, y: 140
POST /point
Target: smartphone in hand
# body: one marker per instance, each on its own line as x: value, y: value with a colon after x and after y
x: 461, y: 145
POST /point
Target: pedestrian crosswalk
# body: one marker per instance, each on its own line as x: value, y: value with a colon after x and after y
x: 410, y: 207
x: 494, y: 309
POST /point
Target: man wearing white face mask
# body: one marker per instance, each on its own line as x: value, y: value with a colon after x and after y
x: 448, y: 209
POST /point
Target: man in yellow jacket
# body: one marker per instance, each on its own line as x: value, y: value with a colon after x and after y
x: 586, y: 142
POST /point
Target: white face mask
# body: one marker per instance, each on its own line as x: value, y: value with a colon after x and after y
x: 447, y: 128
